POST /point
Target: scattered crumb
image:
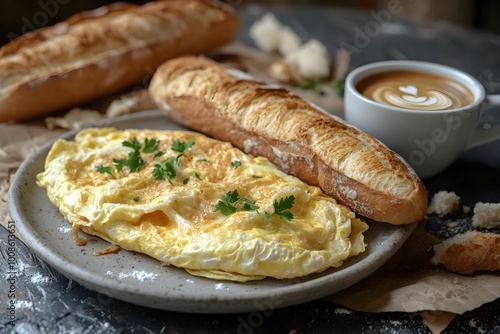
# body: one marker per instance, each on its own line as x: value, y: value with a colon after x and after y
x: 342, y: 311
x: 486, y: 215
x: 444, y: 203
x: 111, y: 249
x: 466, y: 209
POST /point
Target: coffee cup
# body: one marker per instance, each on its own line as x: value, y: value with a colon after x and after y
x: 425, y: 112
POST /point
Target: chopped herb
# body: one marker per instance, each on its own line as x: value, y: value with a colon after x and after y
x: 339, y: 87
x: 229, y: 203
x: 150, y: 145
x: 158, y: 154
x: 249, y: 205
x: 197, y: 176
x: 134, y: 144
x: 186, y: 180
x: 182, y: 147
x: 165, y: 168
x: 280, y: 207
x: 105, y: 170
x: 226, y: 204
x: 202, y: 160
x: 236, y: 164
x: 134, y: 161
x: 313, y: 85
x: 137, y: 199
x: 256, y: 177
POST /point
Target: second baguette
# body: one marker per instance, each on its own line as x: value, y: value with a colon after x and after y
x: 298, y: 137
x: 104, y: 51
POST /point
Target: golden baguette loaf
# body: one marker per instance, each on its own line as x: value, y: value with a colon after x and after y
x: 469, y: 252
x: 99, y: 52
x: 298, y: 137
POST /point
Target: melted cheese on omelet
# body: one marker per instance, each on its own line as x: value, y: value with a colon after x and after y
x: 175, y: 220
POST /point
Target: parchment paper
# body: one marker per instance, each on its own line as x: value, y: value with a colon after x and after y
x: 407, y: 283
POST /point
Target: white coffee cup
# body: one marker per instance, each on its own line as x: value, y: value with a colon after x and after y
x: 429, y: 140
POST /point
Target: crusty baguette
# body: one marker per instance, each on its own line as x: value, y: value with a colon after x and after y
x: 96, y: 53
x: 298, y: 137
x: 469, y: 252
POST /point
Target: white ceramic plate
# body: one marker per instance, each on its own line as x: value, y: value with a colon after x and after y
x: 138, y: 279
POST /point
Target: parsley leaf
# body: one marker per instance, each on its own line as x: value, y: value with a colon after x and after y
x: 105, y: 170
x: 280, y: 207
x: 134, y: 144
x: 236, y: 164
x: 230, y: 202
x: 134, y: 161
x: 313, y: 85
x: 151, y: 145
x: 202, y: 160
x: 249, y: 205
x: 137, y: 199
x: 226, y: 204
x: 182, y: 147
x: 339, y: 87
x: 165, y: 168
x: 186, y: 180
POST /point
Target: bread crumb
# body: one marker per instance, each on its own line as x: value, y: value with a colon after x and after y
x: 486, y: 215
x: 469, y: 252
x: 270, y: 35
x: 311, y: 60
x: 444, y: 203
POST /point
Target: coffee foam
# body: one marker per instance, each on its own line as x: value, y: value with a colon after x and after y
x: 415, y: 90
x: 411, y: 98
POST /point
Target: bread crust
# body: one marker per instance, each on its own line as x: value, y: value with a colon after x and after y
x: 104, y: 51
x: 295, y: 135
x: 469, y: 252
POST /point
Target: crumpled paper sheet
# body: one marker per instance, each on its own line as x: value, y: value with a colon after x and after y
x: 17, y: 142
x: 406, y: 283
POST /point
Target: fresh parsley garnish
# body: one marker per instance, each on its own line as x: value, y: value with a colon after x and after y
x: 134, y: 161
x: 182, y: 147
x: 137, y: 199
x: 166, y: 168
x: 150, y: 145
x: 202, y: 160
x: 256, y: 177
x: 339, y: 87
x: 313, y: 85
x: 236, y: 164
x: 281, y: 207
x: 230, y: 202
x: 197, y: 176
x: 105, y: 170
x: 186, y: 180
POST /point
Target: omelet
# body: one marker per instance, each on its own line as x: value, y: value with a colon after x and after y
x: 197, y: 203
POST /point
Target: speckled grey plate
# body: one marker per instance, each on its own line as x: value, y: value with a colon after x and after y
x: 138, y: 279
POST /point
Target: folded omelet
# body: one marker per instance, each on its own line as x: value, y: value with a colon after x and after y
x: 198, y: 203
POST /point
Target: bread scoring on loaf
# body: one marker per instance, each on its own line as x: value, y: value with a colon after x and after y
x: 300, y: 138
x: 100, y: 52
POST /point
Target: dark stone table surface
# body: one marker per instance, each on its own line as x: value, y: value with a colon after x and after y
x: 48, y: 302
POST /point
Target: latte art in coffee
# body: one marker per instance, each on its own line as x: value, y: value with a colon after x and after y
x: 415, y: 90
x: 407, y: 97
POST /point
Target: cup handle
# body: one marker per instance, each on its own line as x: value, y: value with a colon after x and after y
x: 484, y: 136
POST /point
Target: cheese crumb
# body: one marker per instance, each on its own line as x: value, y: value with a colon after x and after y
x: 444, y: 203
x: 486, y: 215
